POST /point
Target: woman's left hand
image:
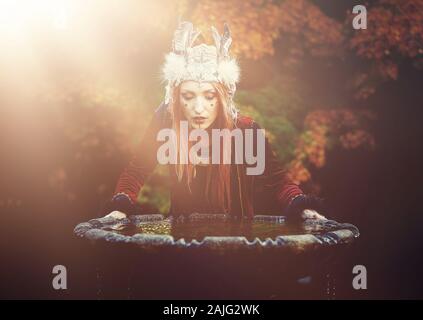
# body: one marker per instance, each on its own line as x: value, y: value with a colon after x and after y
x: 312, y: 214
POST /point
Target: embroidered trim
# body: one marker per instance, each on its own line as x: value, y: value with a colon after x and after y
x: 122, y: 194
x: 295, y: 197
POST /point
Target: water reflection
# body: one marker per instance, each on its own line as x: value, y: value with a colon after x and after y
x: 198, y: 229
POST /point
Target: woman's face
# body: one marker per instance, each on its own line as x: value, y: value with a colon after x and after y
x: 199, y: 103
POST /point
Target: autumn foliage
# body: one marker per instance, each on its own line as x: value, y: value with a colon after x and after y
x: 326, y: 129
x: 285, y: 39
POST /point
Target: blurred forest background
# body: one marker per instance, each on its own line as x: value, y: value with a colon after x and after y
x: 342, y: 107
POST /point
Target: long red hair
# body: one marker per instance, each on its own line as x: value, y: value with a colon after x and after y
x: 218, y: 188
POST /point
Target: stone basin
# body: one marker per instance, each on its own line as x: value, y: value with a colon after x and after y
x: 215, y: 256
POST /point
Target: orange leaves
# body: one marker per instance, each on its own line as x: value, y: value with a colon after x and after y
x: 387, y: 69
x: 301, y: 28
x: 311, y: 146
x: 309, y: 29
x: 324, y: 128
x: 298, y: 172
x: 356, y: 138
x: 394, y: 31
x: 254, y: 24
x: 393, y: 26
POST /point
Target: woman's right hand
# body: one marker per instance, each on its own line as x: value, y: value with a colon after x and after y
x: 117, y: 215
x: 119, y: 207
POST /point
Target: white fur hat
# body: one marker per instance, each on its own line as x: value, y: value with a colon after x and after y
x: 202, y: 63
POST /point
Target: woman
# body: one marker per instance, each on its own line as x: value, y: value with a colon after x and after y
x: 201, y: 82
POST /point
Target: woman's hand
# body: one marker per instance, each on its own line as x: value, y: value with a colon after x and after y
x: 305, y: 207
x: 118, y: 222
x: 117, y: 215
x: 312, y: 214
x: 119, y: 207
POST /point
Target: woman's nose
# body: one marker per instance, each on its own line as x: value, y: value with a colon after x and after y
x: 199, y: 106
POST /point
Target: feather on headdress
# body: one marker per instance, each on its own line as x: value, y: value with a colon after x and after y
x: 202, y: 63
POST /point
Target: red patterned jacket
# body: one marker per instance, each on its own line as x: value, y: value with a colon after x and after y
x: 272, y: 187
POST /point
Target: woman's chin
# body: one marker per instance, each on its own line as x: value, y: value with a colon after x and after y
x: 203, y: 126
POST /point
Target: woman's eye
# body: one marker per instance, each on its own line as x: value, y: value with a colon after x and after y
x: 187, y: 97
x: 210, y: 97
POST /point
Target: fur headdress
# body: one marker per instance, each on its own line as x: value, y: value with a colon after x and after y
x: 202, y: 63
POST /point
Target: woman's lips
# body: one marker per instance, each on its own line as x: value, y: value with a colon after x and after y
x: 199, y: 120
